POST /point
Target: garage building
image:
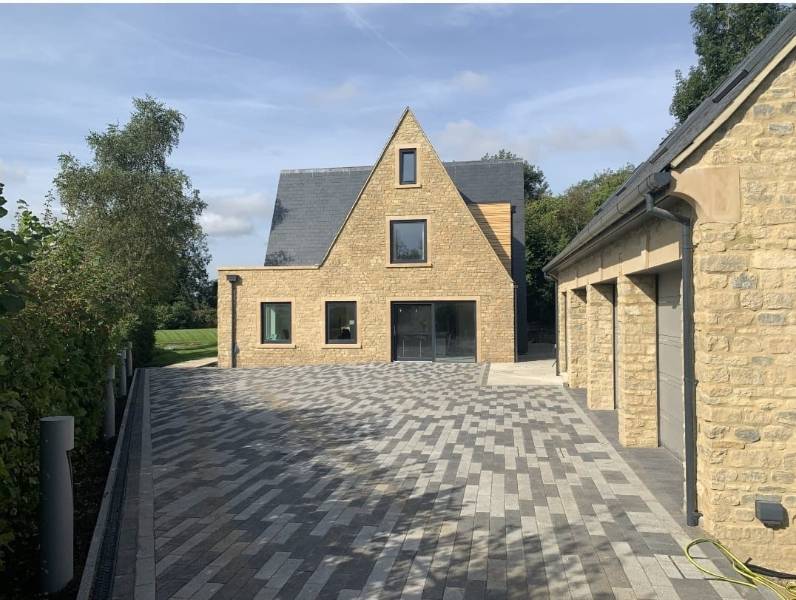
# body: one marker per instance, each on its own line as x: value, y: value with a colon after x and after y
x: 675, y: 305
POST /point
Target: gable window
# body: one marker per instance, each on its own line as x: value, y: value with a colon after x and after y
x: 276, y: 320
x: 341, y: 322
x: 408, y: 241
x: 407, y: 164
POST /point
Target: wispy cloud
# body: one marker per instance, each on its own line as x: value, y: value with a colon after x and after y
x: 463, y: 15
x: 579, y: 94
x: 343, y: 92
x: 465, y: 140
x: 231, y: 213
x: 255, y: 204
x: 470, y: 81
x: 12, y: 172
x: 576, y: 139
x: 216, y: 225
x: 361, y: 23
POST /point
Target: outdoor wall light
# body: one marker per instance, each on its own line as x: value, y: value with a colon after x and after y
x: 233, y: 278
x: 771, y: 514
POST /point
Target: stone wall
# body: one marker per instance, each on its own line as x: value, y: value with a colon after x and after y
x: 577, y: 367
x: 462, y: 265
x: 637, y: 352
x: 743, y: 182
x: 745, y: 280
x: 600, y: 346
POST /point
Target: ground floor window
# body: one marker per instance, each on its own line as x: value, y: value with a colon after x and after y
x: 276, y: 320
x: 341, y: 322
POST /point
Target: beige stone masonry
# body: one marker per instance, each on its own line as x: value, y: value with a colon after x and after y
x: 462, y: 265
x: 745, y: 297
x: 600, y: 346
x: 577, y: 364
x: 637, y: 348
x: 741, y: 182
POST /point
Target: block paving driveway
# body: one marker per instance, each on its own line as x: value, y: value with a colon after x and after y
x: 398, y: 481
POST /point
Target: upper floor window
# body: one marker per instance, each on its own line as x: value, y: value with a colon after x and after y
x: 276, y: 322
x: 408, y: 241
x: 407, y: 165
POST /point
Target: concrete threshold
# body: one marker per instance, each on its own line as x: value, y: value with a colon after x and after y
x: 538, y: 372
x: 210, y: 361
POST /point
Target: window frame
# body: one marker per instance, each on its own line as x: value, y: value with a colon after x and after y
x: 399, y: 150
x: 354, y: 341
x: 262, y: 343
x: 391, y: 259
x: 401, y: 153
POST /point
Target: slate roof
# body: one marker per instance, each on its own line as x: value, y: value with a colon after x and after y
x: 311, y: 204
x: 683, y: 135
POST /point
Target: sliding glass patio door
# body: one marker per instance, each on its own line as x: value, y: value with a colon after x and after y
x: 440, y: 331
x: 412, y: 327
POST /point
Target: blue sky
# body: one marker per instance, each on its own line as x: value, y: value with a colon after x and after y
x: 572, y: 88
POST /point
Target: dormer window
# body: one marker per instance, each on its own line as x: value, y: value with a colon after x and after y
x: 407, y: 165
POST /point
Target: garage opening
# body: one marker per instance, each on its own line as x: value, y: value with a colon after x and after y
x: 671, y: 412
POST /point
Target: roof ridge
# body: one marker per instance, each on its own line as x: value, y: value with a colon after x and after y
x: 487, y: 161
x: 327, y: 169
x: 490, y: 161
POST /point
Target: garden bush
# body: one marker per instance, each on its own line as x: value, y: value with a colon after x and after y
x: 57, y: 335
x: 74, y: 290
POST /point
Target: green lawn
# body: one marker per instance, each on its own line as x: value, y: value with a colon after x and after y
x: 178, y: 345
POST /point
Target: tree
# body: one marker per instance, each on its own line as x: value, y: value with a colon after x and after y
x: 552, y: 222
x: 723, y: 35
x: 135, y: 212
x: 534, y: 182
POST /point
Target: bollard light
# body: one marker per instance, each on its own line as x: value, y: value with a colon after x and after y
x: 129, y: 359
x: 122, y: 373
x: 56, y: 534
x: 109, y: 424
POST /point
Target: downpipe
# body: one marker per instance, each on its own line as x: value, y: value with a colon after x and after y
x: 233, y: 342
x: 689, y: 378
x: 554, y: 279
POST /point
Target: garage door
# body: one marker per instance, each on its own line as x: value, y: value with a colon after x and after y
x: 670, y: 362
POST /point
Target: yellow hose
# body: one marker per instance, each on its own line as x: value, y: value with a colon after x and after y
x: 751, y: 579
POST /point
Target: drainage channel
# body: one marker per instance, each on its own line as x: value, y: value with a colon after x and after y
x: 110, y: 533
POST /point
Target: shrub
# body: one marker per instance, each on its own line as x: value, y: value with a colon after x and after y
x: 204, y: 317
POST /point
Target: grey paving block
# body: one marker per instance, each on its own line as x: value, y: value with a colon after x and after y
x: 396, y: 481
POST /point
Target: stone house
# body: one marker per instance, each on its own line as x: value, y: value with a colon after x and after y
x: 675, y: 305
x: 411, y: 259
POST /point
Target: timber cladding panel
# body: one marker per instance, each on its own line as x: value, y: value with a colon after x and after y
x: 495, y: 221
x: 461, y: 265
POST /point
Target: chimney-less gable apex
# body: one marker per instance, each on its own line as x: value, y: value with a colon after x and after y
x: 312, y: 205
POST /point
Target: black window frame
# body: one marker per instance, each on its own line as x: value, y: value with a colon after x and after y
x: 354, y: 339
x: 401, y: 152
x: 262, y: 322
x: 398, y: 261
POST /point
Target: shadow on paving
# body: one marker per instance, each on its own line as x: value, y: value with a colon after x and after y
x: 314, y: 492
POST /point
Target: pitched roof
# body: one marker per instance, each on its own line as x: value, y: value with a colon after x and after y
x: 311, y: 204
x: 681, y: 139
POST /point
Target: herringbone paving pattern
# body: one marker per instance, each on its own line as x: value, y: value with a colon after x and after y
x: 398, y: 481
